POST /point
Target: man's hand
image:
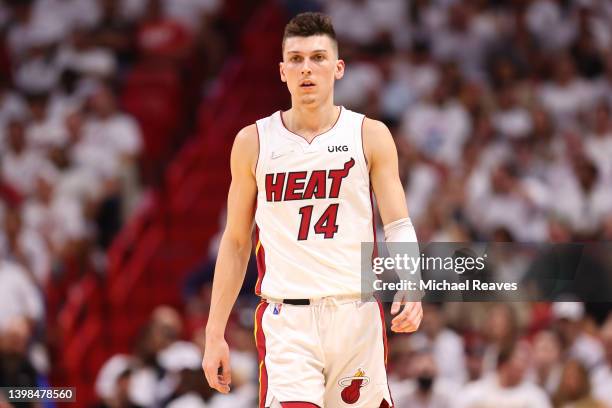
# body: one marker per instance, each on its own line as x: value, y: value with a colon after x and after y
x: 410, y: 318
x: 216, y: 354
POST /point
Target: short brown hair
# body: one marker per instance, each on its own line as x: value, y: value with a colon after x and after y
x: 309, y: 24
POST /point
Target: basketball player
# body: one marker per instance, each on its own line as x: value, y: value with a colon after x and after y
x: 305, y: 175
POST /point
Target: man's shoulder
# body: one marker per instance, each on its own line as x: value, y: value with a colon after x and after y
x: 247, y: 133
x: 374, y: 127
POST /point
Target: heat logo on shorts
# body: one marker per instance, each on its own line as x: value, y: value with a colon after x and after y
x: 352, y: 386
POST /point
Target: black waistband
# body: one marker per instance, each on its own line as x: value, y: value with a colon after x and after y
x: 297, y: 302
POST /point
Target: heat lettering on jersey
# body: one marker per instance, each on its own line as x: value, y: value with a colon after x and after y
x: 300, y: 185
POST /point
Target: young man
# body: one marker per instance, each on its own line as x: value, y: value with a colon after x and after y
x: 306, y: 175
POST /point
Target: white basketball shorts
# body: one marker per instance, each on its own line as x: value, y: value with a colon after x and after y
x: 329, y: 354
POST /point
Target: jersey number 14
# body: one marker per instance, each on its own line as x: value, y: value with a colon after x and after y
x: 326, y: 224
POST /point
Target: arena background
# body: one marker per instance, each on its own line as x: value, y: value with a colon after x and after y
x: 116, y: 122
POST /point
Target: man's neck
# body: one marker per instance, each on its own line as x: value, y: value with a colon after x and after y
x: 310, y: 122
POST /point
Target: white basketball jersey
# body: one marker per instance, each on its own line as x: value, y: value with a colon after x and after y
x: 314, y: 208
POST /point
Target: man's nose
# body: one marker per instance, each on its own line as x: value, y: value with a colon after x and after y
x: 306, y: 67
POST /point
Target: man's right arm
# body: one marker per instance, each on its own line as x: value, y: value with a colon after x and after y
x: 234, y: 253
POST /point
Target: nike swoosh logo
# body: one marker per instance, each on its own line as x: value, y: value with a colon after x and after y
x: 276, y: 155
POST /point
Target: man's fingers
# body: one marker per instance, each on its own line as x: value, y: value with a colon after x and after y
x: 398, y: 301
x: 405, y: 313
x: 211, y: 375
x: 395, y: 307
x: 222, y: 387
x: 409, y: 320
x: 226, y: 371
x: 215, y: 381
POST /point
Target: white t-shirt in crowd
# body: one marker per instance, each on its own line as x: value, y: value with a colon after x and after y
x: 21, y: 171
x: 405, y: 394
x: 601, y: 382
x: 35, y: 250
x: 438, y: 131
x: 599, y: 149
x: 11, y: 107
x: 512, y: 123
x: 358, y: 83
x: 119, y: 134
x: 46, y: 134
x: 587, y: 350
x: 407, y: 84
x: 20, y: 297
x: 564, y: 102
x: 62, y: 221
x: 362, y: 23
x: 487, y: 393
x: 448, y: 352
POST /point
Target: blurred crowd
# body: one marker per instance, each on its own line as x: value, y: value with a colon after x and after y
x: 501, y: 111
x: 70, y: 155
x: 502, y: 114
x: 465, y: 355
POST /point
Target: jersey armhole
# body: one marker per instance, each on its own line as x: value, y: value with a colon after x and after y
x: 363, y: 160
x: 259, y: 164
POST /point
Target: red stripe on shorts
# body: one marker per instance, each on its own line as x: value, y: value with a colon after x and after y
x: 384, y: 333
x: 260, y: 256
x: 260, y: 342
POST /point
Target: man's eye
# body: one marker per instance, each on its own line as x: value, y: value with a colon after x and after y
x: 318, y: 57
x: 295, y: 59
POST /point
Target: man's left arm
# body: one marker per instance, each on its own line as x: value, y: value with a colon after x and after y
x: 381, y: 154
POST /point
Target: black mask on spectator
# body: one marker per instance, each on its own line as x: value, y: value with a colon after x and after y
x: 425, y: 382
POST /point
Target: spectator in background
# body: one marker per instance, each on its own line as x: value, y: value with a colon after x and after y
x: 576, y: 342
x: 113, y: 383
x: 499, y: 198
x: 111, y: 129
x: 44, y: 128
x: 547, y: 362
x: 15, y: 367
x: 511, y: 120
x: 408, y: 78
x: 465, y: 39
x: 20, y: 296
x: 182, y: 363
x: 162, y: 38
x: 598, y: 143
x: 438, y: 127
x: 367, y: 23
x: 427, y: 390
x: 114, y: 30
x: 566, y: 95
x: 12, y: 107
x: 445, y: 345
x: 506, y: 386
x: 115, y: 142
x: 163, y: 329
x: 574, y: 389
x: 474, y: 357
x: 602, y: 374
x: 501, y: 329
x: 360, y: 85
x: 20, y: 165
x: 25, y: 247
x: 56, y: 218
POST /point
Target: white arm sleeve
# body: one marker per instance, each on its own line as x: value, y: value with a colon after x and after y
x: 400, y: 231
x: 401, y: 241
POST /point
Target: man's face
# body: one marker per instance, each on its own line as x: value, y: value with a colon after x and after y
x: 310, y: 66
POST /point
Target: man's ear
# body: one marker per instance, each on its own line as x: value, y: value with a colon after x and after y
x: 339, y: 73
x: 281, y: 70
